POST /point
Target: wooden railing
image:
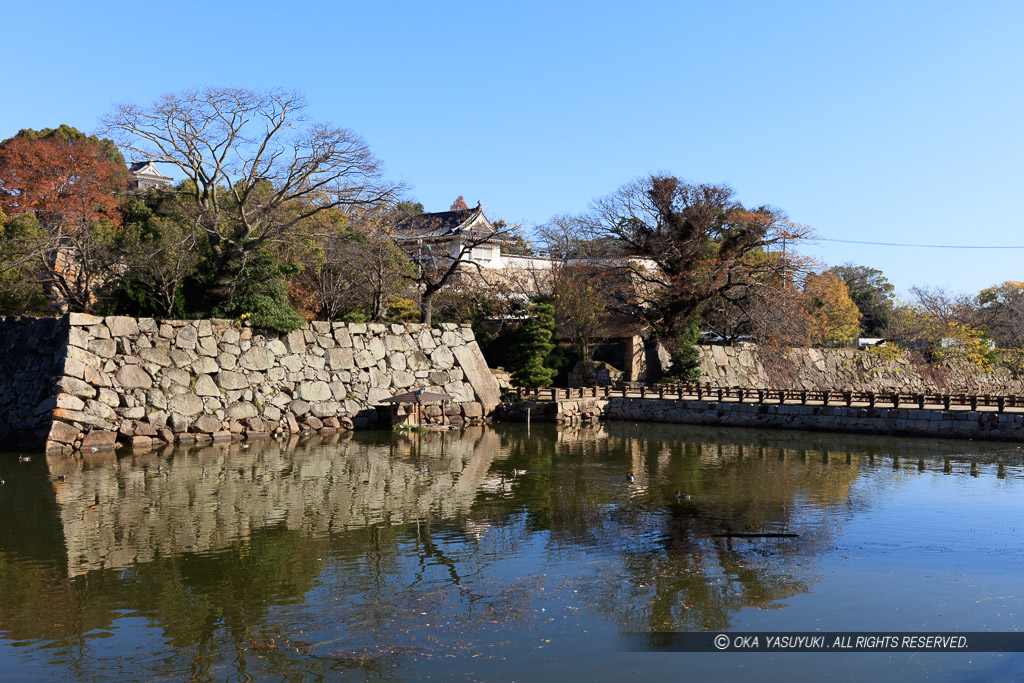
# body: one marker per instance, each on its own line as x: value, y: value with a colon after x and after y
x: 706, y: 391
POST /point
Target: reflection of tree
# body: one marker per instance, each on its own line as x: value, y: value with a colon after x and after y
x: 317, y: 558
x: 672, y: 561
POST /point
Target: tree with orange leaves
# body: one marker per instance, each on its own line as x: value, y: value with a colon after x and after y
x: 60, y: 191
x: 832, y: 315
x: 459, y: 205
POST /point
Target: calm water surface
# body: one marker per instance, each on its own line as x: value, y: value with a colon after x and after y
x: 506, y: 554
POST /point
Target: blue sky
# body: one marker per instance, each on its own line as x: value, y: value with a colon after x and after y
x: 888, y: 122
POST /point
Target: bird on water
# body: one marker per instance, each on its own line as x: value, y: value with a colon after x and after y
x: 630, y: 477
x: 683, y: 496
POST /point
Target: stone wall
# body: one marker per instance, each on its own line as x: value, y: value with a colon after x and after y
x: 845, y: 369
x: 32, y: 353
x: 141, y: 382
x: 963, y: 424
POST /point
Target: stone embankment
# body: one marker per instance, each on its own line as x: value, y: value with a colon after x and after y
x: 964, y: 424
x: 881, y: 370
x: 84, y: 382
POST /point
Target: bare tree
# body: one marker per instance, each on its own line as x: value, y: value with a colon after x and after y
x: 438, y: 264
x: 257, y: 169
x: 362, y: 268
x: 580, y: 304
x: 1001, y: 308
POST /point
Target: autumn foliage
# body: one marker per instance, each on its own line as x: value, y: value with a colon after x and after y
x: 63, y: 183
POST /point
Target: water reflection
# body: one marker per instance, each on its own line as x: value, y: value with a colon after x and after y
x: 384, y: 554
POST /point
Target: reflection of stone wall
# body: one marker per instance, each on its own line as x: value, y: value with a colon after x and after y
x: 116, y: 512
x: 143, y: 381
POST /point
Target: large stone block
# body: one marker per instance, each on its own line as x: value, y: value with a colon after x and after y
x: 257, y: 358
x: 186, y: 404
x: 83, y: 319
x: 62, y: 433
x: 104, y: 348
x: 326, y: 409
x: 341, y: 336
x: 186, y: 338
x: 231, y: 381
x: 241, y: 410
x: 122, y: 326
x: 99, y: 440
x: 401, y: 379
x: 479, y: 376
x: 207, y: 346
x: 314, y: 391
x: 295, y: 341
x: 155, y: 357
x: 87, y: 358
x: 76, y: 387
x: 376, y: 349
x: 205, y: 386
x: 206, y: 424
x: 442, y: 358
x: 133, y: 377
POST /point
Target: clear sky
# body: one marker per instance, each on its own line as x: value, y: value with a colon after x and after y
x: 872, y: 121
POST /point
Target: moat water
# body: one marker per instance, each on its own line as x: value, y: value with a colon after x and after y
x: 507, y: 553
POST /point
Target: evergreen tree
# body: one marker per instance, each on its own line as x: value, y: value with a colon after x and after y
x: 535, y: 347
x: 686, y: 360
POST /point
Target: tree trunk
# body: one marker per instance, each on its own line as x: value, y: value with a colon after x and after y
x: 427, y: 308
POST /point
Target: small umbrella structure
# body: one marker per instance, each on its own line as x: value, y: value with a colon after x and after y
x: 417, y: 398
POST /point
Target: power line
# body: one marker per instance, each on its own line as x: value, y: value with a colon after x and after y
x: 921, y: 246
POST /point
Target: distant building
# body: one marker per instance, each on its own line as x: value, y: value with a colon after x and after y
x: 444, y: 235
x: 143, y: 176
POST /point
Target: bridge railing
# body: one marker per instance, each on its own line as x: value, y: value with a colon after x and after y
x: 705, y: 391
